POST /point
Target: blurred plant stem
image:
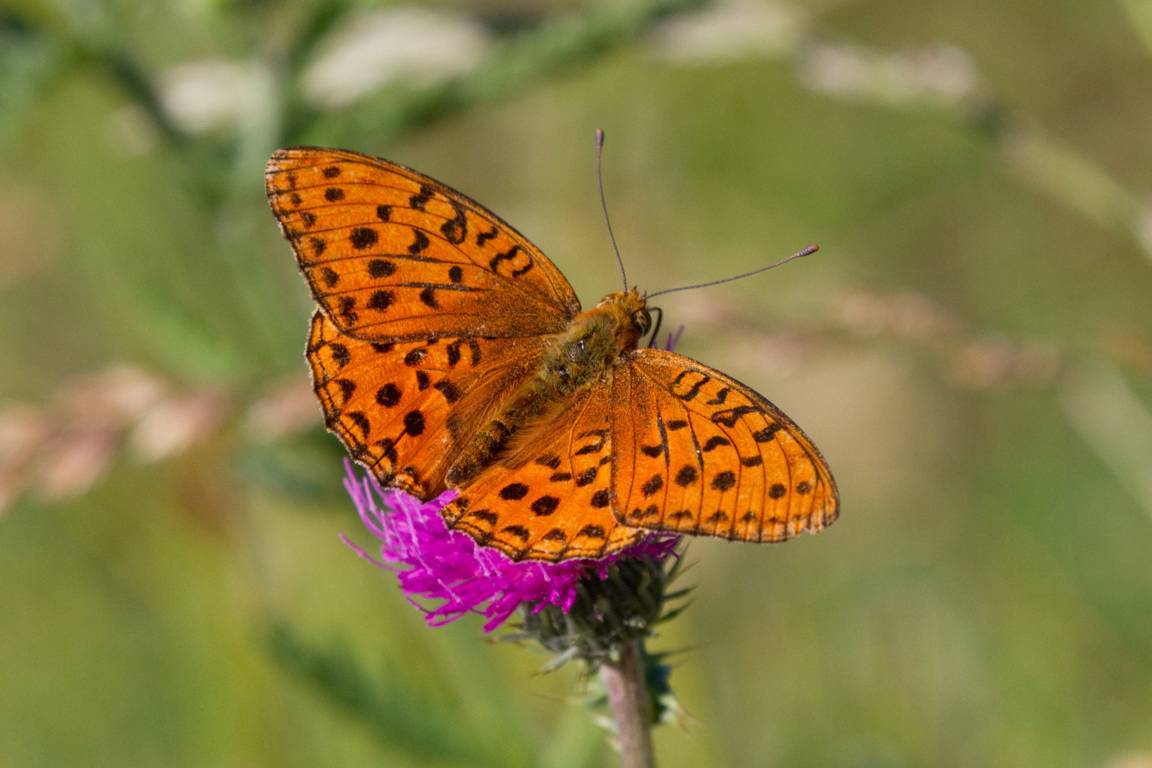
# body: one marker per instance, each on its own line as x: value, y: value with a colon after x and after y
x: 1076, y: 181
x: 626, y: 686
x: 1112, y: 420
x: 1140, y: 15
x: 522, y: 61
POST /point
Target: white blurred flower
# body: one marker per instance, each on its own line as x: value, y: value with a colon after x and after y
x: 906, y: 314
x: 78, y: 460
x: 209, y: 94
x: 996, y: 361
x: 285, y: 408
x: 939, y: 74
x: 375, y: 48
x: 114, y: 396
x: 22, y: 431
x: 730, y: 30
x: 177, y: 423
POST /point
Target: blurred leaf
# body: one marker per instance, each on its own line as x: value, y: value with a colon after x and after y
x: 301, y: 468
x: 397, y: 716
x: 30, y: 62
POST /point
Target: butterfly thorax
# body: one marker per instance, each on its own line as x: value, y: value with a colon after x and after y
x: 593, y: 342
x: 577, y: 357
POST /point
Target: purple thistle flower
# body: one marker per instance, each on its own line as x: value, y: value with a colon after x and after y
x: 446, y: 574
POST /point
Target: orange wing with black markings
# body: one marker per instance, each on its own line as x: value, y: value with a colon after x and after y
x: 553, y: 500
x: 393, y: 255
x: 698, y: 452
x: 402, y: 409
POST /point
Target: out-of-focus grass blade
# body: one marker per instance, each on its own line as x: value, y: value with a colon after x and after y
x: 398, y: 716
x: 1109, y: 417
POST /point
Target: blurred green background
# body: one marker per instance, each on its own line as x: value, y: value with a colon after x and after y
x: 971, y: 349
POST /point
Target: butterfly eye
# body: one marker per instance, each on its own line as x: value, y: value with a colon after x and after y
x: 642, y: 320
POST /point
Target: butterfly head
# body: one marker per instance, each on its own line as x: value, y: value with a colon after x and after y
x: 630, y: 317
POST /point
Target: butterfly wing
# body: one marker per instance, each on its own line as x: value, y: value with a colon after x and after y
x: 403, y: 409
x: 551, y: 499
x: 698, y: 452
x: 392, y: 255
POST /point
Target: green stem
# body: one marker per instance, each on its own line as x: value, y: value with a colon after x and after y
x: 627, y: 689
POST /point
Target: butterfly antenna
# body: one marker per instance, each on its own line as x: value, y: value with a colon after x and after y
x: 798, y: 255
x: 604, y: 203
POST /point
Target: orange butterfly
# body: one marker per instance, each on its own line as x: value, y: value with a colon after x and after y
x: 449, y: 352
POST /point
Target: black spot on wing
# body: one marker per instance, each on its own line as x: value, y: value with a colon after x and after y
x: 487, y: 235
x: 455, y: 229
x: 513, y: 491
x: 420, y: 242
x: 381, y: 300
x: 448, y: 389
x: 381, y: 268
x: 545, y: 506
x: 724, y: 480
x: 414, y: 423
x: 652, y: 485
x: 767, y: 434
x: 714, y: 442
x: 687, y: 475
x: 730, y: 416
x: 363, y: 237
x: 388, y: 395
x: 419, y: 200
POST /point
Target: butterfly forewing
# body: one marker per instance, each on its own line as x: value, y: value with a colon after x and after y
x: 698, y: 452
x: 392, y: 255
x: 552, y: 501
x: 402, y: 409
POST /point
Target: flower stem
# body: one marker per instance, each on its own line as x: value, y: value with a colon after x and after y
x: 627, y: 690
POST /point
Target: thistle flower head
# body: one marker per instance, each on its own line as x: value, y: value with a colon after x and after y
x: 447, y: 575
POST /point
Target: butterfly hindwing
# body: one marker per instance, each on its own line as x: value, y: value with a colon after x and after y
x: 393, y: 255
x: 552, y: 500
x: 698, y: 452
x: 403, y: 409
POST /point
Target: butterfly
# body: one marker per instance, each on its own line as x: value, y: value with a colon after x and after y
x: 448, y: 352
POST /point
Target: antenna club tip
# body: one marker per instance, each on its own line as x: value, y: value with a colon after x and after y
x: 599, y: 137
x: 809, y: 250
